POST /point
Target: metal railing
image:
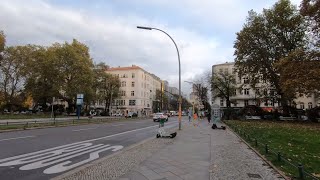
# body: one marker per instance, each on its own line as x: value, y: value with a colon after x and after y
x: 302, y: 173
x: 55, y: 122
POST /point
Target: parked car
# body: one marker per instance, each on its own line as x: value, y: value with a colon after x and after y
x: 131, y: 115
x: 159, y: 116
x: 118, y: 114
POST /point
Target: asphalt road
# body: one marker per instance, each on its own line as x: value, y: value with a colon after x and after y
x: 46, y: 153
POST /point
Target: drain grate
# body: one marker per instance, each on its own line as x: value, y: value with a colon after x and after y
x: 254, y: 176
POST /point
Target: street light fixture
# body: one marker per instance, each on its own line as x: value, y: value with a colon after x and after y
x: 151, y: 28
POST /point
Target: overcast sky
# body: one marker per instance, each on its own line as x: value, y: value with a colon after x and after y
x: 203, y: 29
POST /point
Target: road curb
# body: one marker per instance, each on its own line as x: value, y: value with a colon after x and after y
x: 69, y: 173
x: 260, y: 155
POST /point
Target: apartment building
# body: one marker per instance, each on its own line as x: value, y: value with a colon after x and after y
x: 137, y: 91
x: 262, y: 95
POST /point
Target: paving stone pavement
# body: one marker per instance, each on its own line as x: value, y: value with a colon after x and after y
x: 200, y: 153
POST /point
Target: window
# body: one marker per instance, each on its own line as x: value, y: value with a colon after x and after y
x: 272, y: 102
x: 123, y: 84
x: 133, y: 75
x: 122, y: 102
x: 235, y: 103
x: 132, y: 84
x: 310, y: 105
x: 246, y: 102
x: 246, y: 80
x: 301, y: 105
x: 132, y: 93
x: 124, y: 76
x: 271, y: 92
x: 132, y: 102
x: 240, y: 91
x: 226, y: 71
x: 220, y: 71
x: 122, y: 93
x: 257, y: 102
x: 246, y: 91
x: 221, y: 102
x: 265, y: 92
x: 258, y: 91
x: 234, y: 92
x: 266, y: 103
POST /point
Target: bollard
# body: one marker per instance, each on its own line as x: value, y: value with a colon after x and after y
x: 256, y: 142
x: 266, y: 148
x: 279, y: 156
x: 300, y: 168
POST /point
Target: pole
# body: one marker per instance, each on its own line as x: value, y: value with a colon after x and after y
x: 78, y: 110
x: 52, y: 107
x: 110, y: 108
x: 180, y: 99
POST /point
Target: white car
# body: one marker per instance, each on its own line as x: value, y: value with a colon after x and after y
x: 118, y: 114
x: 159, y: 116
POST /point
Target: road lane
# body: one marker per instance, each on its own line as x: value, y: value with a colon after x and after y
x: 14, y: 138
x: 75, y: 130
x: 58, y: 150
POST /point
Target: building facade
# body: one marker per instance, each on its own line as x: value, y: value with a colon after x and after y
x: 137, y: 91
x: 263, y: 94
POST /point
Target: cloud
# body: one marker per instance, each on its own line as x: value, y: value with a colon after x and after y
x: 112, y: 38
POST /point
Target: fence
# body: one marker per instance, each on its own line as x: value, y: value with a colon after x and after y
x: 53, y: 122
x: 302, y: 174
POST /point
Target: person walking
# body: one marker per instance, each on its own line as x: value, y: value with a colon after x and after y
x: 189, y: 115
x: 209, y: 117
x: 195, y: 118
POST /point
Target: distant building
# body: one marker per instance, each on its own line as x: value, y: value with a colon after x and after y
x: 137, y: 91
x: 262, y: 95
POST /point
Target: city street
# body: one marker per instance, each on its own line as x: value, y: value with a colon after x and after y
x: 46, y: 153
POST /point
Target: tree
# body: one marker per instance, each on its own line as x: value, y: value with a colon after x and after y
x: 13, y: 72
x: 311, y: 10
x: 42, y: 81
x: 202, y: 93
x: 75, y: 70
x: 306, y: 78
x: 2, y: 43
x: 265, y: 39
x: 109, y: 90
x: 223, y: 86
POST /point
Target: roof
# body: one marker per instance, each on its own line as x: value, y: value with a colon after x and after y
x: 222, y: 64
x: 124, y: 68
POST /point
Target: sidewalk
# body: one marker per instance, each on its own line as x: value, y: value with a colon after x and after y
x: 201, y: 153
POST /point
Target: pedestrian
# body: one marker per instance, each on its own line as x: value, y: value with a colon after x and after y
x: 189, y: 115
x: 209, y: 117
x: 195, y: 118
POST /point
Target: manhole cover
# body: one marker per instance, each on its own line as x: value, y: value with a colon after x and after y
x: 254, y: 176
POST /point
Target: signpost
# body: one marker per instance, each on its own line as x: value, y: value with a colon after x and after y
x: 79, y: 104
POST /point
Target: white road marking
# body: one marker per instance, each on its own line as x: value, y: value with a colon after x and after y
x: 83, y: 129
x: 58, y: 159
x: 16, y: 138
x: 117, y: 125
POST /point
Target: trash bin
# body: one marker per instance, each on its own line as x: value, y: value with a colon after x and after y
x: 161, y: 122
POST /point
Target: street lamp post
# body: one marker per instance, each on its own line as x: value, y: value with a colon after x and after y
x: 151, y: 28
